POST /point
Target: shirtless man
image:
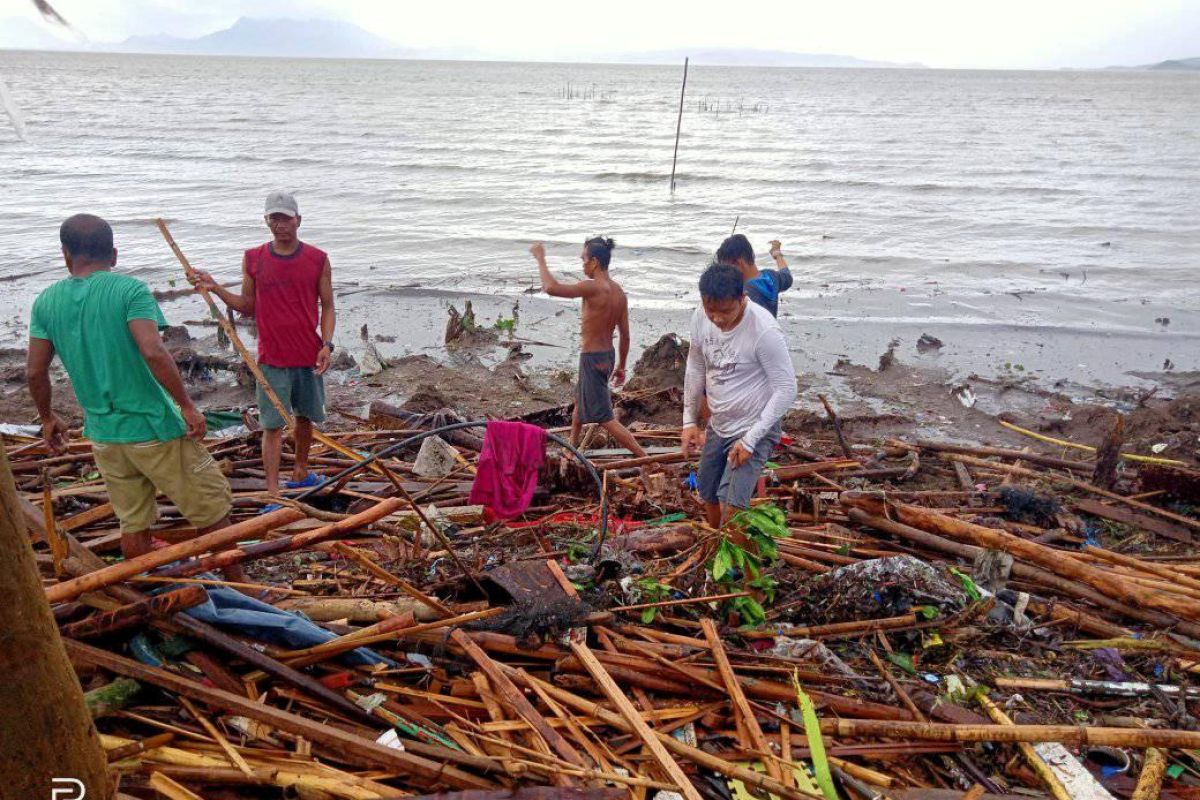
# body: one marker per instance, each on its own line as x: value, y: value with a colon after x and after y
x: 605, y: 309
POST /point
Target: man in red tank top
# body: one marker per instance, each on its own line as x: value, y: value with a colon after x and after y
x: 287, y: 285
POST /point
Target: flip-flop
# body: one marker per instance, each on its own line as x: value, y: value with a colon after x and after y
x: 311, y: 479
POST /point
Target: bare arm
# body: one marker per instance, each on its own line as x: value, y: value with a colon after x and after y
x: 37, y: 375
x: 553, y: 286
x: 328, y: 316
x: 622, y: 342
x: 162, y: 366
x: 243, y: 302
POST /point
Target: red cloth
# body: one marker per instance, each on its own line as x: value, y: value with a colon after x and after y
x: 508, y: 467
x: 286, y: 289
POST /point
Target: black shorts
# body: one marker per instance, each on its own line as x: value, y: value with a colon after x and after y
x: 593, y: 400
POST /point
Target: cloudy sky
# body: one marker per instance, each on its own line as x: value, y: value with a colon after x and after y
x: 940, y: 33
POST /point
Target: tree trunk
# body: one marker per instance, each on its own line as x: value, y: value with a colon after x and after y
x: 46, y: 731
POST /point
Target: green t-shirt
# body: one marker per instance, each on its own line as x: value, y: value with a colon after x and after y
x: 87, y: 321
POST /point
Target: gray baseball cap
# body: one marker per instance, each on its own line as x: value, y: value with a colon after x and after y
x: 281, y: 203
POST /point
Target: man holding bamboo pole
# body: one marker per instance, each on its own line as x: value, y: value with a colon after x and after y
x: 146, y: 432
x: 287, y: 285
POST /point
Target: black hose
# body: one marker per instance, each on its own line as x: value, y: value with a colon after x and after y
x: 459, y: 426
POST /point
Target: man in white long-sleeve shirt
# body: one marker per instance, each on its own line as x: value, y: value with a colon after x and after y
x: 739, y: 359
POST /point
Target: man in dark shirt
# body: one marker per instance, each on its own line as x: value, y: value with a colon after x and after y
x: 762, y: 286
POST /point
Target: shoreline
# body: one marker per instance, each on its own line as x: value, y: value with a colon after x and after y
x: 881, y: 382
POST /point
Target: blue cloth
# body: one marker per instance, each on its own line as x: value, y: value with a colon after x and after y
x: 235, y: 612
x: 766, y: 287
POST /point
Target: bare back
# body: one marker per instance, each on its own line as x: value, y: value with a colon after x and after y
x: 602, y: 312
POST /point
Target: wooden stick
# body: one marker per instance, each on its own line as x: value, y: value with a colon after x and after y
x: 837, y: 426
x: 679, y: 125
x: 379, y: 572
x: 740, y: 704
x: 1065, y: 734
x: 513, y: 696
x: 1149, y: 784
x: 250, y: 529
x: 636, y: 723
x: 234, y: 756
x: 693, y: 754
x: 355, y: 749
x: 170, y: 789
x: 1085, y: 486
x: 1088, y: 448
x: 685, y: 601
x: 1047, y: 776
x: 58, y: 546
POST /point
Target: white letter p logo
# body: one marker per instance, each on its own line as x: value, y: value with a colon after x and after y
x: 67, y: 789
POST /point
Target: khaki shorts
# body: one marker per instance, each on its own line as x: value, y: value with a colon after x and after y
x: 182, y: 469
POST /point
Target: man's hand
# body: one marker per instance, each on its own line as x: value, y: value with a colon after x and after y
x: 776, y: 248
x: 202, y: 280
x: 539, y: 251
x: 618, y: 377
x: 322, y: 360
x: 196, y: 426
x: 738, y: 454
x: 54, y: 432
x: 693, y: 440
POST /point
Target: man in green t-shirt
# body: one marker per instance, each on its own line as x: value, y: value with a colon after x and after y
x: 146, y: 432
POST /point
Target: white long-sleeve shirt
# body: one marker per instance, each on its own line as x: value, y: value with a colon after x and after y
x: 747, y: 373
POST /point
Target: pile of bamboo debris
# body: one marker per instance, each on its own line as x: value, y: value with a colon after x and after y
x: 897, y: 620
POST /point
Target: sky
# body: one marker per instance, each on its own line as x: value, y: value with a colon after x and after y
x: 1018, y: 34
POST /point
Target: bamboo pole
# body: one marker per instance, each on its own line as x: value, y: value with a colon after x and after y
x: 1056, y: 561
x: 679, y: 125
x: 1039, y: 766
x: 965, y: 734
x: 693, y: 754
x: 253, y: 528
x: 1149, y: 784
x: 1088, y: 448
x: 638, y: 725
x: 741, y: 706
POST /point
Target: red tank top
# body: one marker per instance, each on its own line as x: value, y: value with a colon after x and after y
x: 286, y: 289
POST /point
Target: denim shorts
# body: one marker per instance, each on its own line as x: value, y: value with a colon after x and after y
x: 720, y: 483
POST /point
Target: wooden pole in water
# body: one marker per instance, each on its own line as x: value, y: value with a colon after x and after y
x: 679, y: 125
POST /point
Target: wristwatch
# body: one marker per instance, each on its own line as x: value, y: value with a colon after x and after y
x: 330, y: 346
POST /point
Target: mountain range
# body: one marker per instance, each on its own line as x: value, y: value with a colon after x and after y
x: 322, y: 38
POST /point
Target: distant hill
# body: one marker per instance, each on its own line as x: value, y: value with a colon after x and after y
x: 755, y: 58
x: 286, y: 38
x: 1177, y: 64
x: 1171, y: 64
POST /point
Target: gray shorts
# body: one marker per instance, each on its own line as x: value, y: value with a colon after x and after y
x: 300, y: 389
x: 593, y: 400
x: 719, y: 483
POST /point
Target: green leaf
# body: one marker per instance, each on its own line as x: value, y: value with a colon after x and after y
x: 844, y: 550
x: 903, y: 661
x: 750, y: 611
x: 1174, y: 771
x: 722, y: 562
x: 816, y: 745
x: 927, y: 612
x: 648, y: 615
x: 968, y: 584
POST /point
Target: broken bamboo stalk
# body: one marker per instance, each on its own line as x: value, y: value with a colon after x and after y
x: 742, y: 710
x: 636, y: 723
x: 1056, y: 561
x: 964, y: 734
x: 693, y: 754
x: 1035, y: 761
x: 252, y: 528
x: 354, y: 749
x: 1149, y: 785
